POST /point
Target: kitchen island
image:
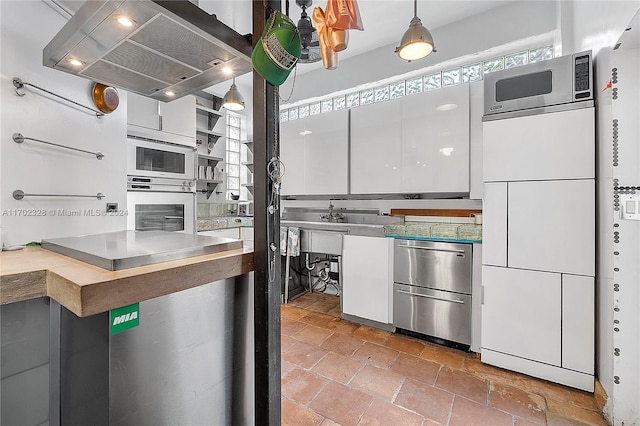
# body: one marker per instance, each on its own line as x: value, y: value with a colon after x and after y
x: 188, y: 361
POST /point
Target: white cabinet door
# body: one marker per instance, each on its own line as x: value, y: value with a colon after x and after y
x: 326, y: 153
x: 315, y: 152
x: 521, y: 313
x: 366, y: 277
x: 552, y: 226
x: 376, y: 154
x: 435, y: 141
x: 292, y: 156
x: 494, y: 228
x: 578, y: 327
x: 179, y: 116
x: 559, y: 145
x: 143, y: 111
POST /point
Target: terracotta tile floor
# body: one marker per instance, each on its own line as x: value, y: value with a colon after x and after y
x: 338, y: 372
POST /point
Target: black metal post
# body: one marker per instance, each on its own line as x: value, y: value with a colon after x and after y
x: 266, y: 240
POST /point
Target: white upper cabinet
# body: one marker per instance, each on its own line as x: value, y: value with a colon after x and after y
x: 559, y: 145
x: 177, y: 117
x: 415, y: 144
x: 435, y: 141
x: 314, y: 151
x: 326, y: 153
x: 376, y: 156
x: 292, y: 156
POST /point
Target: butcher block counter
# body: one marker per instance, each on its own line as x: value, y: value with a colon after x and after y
x: 86, y: 290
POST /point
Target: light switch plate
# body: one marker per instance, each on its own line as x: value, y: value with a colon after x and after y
x: 630, y: 206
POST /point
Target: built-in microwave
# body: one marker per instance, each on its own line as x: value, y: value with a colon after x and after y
x: 157, y: 159
x: 563, y: 80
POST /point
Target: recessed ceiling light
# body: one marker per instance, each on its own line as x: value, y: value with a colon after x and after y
x: 75, y: 62
x: 305, y: 133
x: 227, y: 70
x: 447, y: 107
x: 125, y: 21
x: 447, y: 151
x: 169, y: 93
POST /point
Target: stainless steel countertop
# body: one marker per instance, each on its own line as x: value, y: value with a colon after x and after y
x: 128, y: 249
x: 366, y: 230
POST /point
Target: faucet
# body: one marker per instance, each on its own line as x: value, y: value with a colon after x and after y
x: 332, y: 217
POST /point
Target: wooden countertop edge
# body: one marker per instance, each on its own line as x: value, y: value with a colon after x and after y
x: 87, y: 290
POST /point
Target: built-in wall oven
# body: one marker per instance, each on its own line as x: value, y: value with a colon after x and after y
x: 161, y: 211
x: 432, y: 289
x: 160, y: 186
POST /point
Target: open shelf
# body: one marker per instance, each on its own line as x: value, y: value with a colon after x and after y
x: 209, y: 158
x: 204, y: 110
x: 249, y: 187
x: 248, y: 166
x: 208, y: 132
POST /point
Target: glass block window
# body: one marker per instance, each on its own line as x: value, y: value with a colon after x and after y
x: 382, y: 93
x: 516, y: 59
x: 471, y: 73
x: 451, y: 77
x: 541, y: 54
x: 303, y: 111
x: 293, y: 114
x: 234, y: 158
x: 339, y: 103
x: 414, y: 86
x: 284, y: 115
x: 314, y: 109
x: 397, y: 89
x: 493, y: 65
x: 234, y: 145
x: 327, y: 105
x: 234, y: 130
x: 366, y: 97
x: 353, y: 100
x: 433, y: 81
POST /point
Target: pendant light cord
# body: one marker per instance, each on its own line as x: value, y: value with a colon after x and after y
x: 415, y: 8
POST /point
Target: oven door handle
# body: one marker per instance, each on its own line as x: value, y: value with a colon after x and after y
x: 431, y: 248
x: 431, y: 297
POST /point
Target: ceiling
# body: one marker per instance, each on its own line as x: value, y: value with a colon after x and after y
x: 384, y: 20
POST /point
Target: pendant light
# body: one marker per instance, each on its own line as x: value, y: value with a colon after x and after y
x: 417, y: 41
x: 233, y: 99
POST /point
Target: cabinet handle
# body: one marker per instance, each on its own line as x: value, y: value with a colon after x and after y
x: 430, y: 297
x: 431, y: 248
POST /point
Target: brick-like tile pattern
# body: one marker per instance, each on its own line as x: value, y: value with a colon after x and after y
x: 336, y: 372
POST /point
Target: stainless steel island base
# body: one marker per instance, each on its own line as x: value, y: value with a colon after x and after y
x: 190, y: 361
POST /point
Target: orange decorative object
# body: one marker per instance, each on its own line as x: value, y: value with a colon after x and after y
x: 608, y: 86
x: 329, y: 56
x: 343, y: 15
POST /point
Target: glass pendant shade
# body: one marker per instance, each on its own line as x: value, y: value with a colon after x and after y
x: 417, y: 41
x: 233, y: 99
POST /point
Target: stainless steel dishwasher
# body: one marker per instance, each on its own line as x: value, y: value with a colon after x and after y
x: 432, y: 289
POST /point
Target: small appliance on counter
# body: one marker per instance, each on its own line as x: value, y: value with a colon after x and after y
x: 245, y: 208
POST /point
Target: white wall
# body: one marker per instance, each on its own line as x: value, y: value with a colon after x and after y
x: 27, y: 26
x: 626, y: 255
x: 598, y: 24
x: 515, y: 21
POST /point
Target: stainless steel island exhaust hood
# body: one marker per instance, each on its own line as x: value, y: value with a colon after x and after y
x: 159, y: 49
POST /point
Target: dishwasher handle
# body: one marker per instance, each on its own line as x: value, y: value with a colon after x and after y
x: 431, y: 248
x: 430, y: 297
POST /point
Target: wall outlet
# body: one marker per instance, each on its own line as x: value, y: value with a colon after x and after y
x: 112, y: 207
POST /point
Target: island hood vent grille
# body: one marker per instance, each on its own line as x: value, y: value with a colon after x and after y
x: 172, y: 47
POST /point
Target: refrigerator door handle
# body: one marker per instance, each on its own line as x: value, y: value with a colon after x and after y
x: 430, y: 297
